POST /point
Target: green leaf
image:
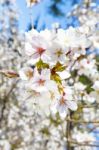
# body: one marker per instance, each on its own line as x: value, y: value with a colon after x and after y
x: 45, y: 131
x: 85, y: 80
x: 56, y: 78
x: 89, y: 89
x: 41, y: 65
x: 56, y: 121
x: 74, y: 73
x: 59, y: 67
x: 97, y: 62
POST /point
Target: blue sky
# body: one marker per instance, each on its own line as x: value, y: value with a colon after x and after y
x: 41, y: 14
x: 24, y: 14
x: 40, y: 11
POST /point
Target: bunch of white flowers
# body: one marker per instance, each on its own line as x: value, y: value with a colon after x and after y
x: 87, y: 14
x: 52, y: 56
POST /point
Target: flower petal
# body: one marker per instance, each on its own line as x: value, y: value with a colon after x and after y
x: 72, y: 105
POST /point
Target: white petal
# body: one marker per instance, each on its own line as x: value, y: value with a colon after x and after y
x: 54, y: 109
x: 68, y: 91
x: 96, y: 85
x: 39, y: 88
x: 64, y: 74
x: 72, y: 105
x: 33, y: 61
x: 22, y: 75
x: 28, y: 49
x: 46, y: 74
x: 62, y: 111
x: 51, y: 85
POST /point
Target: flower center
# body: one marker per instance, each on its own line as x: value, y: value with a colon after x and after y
x: 62, y: 101
x: 33, y: 1
x: 41, y: 82
x: 40, y: 50
x: 59, y: 53
x: 29, y: 74
x: 88, y: 62
x: 52, y: 95
x: 66, y: 40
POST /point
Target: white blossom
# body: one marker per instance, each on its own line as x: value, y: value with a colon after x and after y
x: 96, y: 85
x: 64, y: 102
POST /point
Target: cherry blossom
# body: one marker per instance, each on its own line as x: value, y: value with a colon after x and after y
x: 72, y: 38
x: 36, y: 47
x: 64, y: 103
x: 41, y: 81
x: 26, y: 73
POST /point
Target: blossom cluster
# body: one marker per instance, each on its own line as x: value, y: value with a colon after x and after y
x: 51, y: 58
x: 86, y: 13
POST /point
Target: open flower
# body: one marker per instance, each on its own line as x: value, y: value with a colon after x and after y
x: 26, y: 73
x: 87, y: 67
x: 72, y: 38
x: 57, y: 53
x: 64, y: 103
x: 41, y: 81
x: 36, y: 47
x: 89, y: 98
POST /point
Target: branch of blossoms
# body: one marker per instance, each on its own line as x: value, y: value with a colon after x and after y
x: 52, y: 63
x: 53, y: 66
